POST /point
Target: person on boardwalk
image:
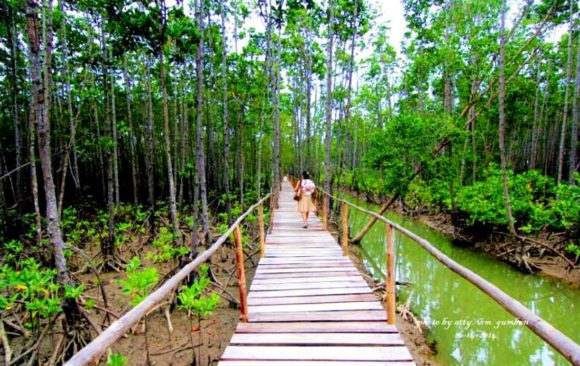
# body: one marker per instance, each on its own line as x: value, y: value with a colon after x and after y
x: 304, y: 190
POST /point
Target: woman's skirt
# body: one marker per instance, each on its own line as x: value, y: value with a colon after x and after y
x: 305, y: 204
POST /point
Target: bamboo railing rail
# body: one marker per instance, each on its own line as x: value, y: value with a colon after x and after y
x: 558, y: 340
x: 93, y: 351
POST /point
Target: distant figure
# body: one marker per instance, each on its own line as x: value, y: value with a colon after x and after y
x: 304, y: 190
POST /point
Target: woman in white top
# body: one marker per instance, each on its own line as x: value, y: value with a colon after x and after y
x: 305, y: 188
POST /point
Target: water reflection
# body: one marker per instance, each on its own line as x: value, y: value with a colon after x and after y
x: 469, y: 327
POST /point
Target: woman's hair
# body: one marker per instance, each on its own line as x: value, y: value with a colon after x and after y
x: 305, y: 175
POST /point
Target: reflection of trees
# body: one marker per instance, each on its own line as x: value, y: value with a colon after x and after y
x: 440, y: 294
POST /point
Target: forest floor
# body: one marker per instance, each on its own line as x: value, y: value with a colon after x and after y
x: 172, y: 335
x: 175, y: 347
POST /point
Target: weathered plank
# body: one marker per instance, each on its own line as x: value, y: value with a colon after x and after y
x: 311, y: 299
x: 317, y: 327
x: 355, y: 282
x: 368, y: 339
x: 333, y: 306
x: 321, y: 316
x: 317, y: 353
x: 314, y: 363
x: 311, y: 292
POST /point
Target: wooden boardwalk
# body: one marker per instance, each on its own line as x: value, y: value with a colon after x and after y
x: 308, y: 305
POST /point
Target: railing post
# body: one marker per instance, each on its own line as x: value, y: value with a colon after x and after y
x: 272, y: 209
x: 390, y: 280
x: 325, y: 211
x: 344, y: 239
x: 262, y: 232
x: 241, y: 273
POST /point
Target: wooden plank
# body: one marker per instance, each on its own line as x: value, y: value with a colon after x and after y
x: 311, y: 292
x: 318, y: 327
x: 304, y: 279
x: 299, y: 269
x: 313, y: 265
x: 315, y: 363
x: 355, y: 282
x: 307, y: 274
x: 336, y: 306
x: 349, y: 339
x: 321, y: 316
x: 311, y: 299
x: 317, y: 353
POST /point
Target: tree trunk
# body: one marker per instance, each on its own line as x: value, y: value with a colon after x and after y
x: 150, y: 155
x: 328, y: 132
x: 504, y: 167
x: 12, y: 44
x: 132, y: 138
x: 108, y: 244
x: 562, y: 145
x: 39, y: 93
x: 199, y: 125
x: 276, y: 109
x: 534, y: 146
x: 572, y: 166
x: 167, y: 131
x: 226, y: 171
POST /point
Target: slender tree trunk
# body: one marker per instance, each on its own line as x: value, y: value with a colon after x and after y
x: 167, y: 131
x: 226, y: 175
x: 328, y: 131
x: 573, y: 167
x: 502, y: 148
x: 150, y: 155
x: 276, y: 115
x: 12, y: 43
x: 39, y: 94
x: 108, y: 245
x: 199, y: 125
x: 562, y: 145
x: 132, y: 138
x: 71, y: 119
x: 534, y: 146
x: 115, y: 137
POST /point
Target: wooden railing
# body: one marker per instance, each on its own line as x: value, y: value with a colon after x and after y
x: 559, y: 341
x: 93, y: 351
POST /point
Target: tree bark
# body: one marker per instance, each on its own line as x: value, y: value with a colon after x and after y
x: 328, y: 131
x: 150, y: 155
x: 166, y: 131
x: 562, y: 145
x: 199, y: 125
x: 226, y: 170
x: 39, y: 93
x: 572, y: 166
x: 502, y: 149
x: 132, y: 138
x: 12, y: 43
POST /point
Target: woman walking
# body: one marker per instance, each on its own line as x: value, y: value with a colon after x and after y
x: 304, y: 190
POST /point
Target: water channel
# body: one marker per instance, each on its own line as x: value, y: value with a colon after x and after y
x: 468, y: 326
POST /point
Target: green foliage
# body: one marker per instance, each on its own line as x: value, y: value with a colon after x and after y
x: 32, y: 288
x: 537, y: 202
x: 116, y: 359
x: 138, y: 283
x: 165, y: 250
x: 195, y: 299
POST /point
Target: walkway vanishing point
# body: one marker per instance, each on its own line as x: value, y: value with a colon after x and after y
x: 309, y: 305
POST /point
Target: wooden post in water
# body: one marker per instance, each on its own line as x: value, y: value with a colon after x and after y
x: 390, y: 280
x: 262, y: 232
x: 344, y: 238
x: 241, y: 273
